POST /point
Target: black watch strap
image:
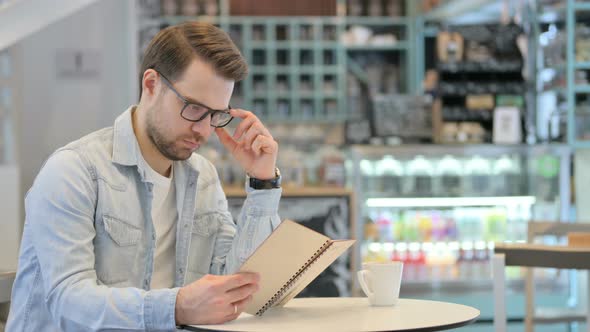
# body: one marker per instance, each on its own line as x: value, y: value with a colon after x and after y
x: 266, y: 184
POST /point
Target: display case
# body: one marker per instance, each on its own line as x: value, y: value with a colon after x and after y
x: 441, y: 208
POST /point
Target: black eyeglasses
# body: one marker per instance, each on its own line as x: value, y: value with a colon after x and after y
x: 195, y: 112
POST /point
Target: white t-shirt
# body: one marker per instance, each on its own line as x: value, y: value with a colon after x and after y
x: 164, y: 217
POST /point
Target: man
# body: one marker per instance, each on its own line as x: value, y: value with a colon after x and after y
x: 124, y: 225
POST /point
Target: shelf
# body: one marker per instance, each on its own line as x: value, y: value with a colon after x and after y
x: 426, y: 246
x: 295, y: 191
x: 463, y: 114
x: 559, y: 89
x: 177, y: 19
x: 453, y: 89
x: 582, y: 66
x: 279, y: 95
x: 552, y: 14
x: 400, y: 46
x: 581, y: 144
x: 294, y: 44
x: 376, y: 20
x: 458, y: 9
x: 558, y: 67
x: 260, y: 95
x: 582, y: 6
x: 480, y: 67
x: 256, y: 44
x: 438, y: 150
x: 451, y: 201
x: 582, y: 88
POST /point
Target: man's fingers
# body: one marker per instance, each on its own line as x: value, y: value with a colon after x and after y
x: 250, y: 135
x: 240, y: 113
x: 226, y: 139
x: 263, y: 144
x: 247, y: 119
x: 244, y: 126
x: 240, y: 279
x: 239, y: 308
x: 241, y: 293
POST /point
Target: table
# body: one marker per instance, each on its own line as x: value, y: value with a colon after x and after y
x: 532, y: 255
x: 352, y: 314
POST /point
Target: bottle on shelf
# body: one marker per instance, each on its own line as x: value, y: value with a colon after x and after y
x: 390, y: 172
x: 424, y: 223
x: 415, y: 262
x: 439, y: 232
x: 368, y: 178
x: 384, y: 224
x: 465, y: 260
x: 411, y: 232
x: 332, y: 171
x: 399, y: 226
x: 449, y: 174
x: 507, y: 176
x: 419, y: 177
x: 481, y: 263
x: 478, y: 176
x: 495, y: 225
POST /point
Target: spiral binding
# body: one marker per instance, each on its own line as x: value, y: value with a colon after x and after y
x: 294, y: 278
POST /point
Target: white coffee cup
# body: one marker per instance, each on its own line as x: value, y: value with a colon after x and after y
x: 381, y: 282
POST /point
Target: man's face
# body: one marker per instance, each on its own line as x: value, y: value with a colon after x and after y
x: 175, y: 137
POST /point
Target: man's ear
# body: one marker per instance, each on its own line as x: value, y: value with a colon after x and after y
x: 150, y: 83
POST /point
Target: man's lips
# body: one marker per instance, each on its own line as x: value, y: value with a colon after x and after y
x: 191, y: 144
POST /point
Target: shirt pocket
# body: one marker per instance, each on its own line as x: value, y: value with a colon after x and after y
x: 121, y: 233
x: 204, y: 233
x: 116, y: 250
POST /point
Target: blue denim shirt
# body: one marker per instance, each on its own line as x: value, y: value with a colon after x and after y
x: 86, y: 256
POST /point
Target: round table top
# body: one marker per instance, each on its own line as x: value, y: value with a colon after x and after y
x: 352, y: 314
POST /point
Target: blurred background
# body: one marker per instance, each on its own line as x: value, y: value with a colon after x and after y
x: 428, y: 130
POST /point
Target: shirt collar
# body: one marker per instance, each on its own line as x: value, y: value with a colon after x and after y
x: 126, y: 149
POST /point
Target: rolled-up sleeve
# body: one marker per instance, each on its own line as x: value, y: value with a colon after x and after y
x: 257, y: 219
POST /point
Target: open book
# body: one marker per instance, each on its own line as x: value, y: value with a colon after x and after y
x: 287, y: 261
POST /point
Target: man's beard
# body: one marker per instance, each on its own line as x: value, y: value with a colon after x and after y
x: 167, y: 148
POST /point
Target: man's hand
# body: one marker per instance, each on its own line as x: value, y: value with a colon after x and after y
x: 215, y: 299
x: 251, y: 145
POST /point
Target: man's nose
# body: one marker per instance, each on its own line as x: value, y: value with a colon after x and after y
x: 203, y: 127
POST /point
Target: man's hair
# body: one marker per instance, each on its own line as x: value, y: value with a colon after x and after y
x: 173, y: 49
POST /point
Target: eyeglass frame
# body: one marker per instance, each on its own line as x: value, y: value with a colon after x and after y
x: 210, y: 111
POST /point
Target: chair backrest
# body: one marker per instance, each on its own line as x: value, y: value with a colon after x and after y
x: 556, y: 228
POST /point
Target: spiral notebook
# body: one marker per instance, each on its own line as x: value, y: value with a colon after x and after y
x: 287, y: 261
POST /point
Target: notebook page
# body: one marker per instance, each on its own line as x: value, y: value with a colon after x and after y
x: 279, y: 257
x: 328, y: 257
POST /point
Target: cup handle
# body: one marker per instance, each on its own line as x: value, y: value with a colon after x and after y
x: 364, y: 276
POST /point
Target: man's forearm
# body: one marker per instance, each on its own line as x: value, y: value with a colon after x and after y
x: 100, y: 307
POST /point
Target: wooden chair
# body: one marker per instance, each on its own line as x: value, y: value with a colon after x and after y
x: 532, y: 255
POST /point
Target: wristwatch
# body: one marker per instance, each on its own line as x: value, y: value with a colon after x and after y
x: 266, y: 184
